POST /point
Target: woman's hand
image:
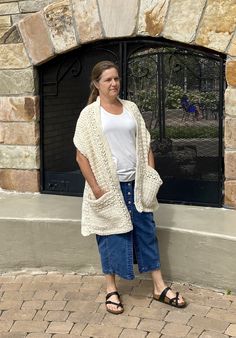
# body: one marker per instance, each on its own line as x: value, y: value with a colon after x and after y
x: 151, y: 160
x: 98, y: 192
x: 88, y: 174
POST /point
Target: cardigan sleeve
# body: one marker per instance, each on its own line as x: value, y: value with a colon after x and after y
x: 79, y: 138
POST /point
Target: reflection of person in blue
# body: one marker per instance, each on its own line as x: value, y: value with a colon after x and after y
x: 184, y: 102
x: 190, y: 108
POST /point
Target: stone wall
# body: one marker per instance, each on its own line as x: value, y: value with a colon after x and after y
x: 19, y: 105
x: 64, y: 25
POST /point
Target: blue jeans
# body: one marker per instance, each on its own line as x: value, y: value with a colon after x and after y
x: 116, y: 251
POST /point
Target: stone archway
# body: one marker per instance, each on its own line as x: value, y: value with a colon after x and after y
x: 65, y: 25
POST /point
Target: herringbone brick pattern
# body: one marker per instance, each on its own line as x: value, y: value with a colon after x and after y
x: 57, y: 305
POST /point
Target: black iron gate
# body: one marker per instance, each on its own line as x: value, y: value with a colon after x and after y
x: 180, y: 94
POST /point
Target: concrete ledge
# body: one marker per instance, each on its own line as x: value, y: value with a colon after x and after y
x: 197, y: 244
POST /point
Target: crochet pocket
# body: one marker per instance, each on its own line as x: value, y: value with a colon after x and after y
x: 151, y: 185
x: 103, y: 206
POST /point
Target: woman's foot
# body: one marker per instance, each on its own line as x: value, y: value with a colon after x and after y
x: 113, y: 304
x: 167, y: 296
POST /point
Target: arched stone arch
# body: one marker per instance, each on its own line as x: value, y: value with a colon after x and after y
x: 68, y: 24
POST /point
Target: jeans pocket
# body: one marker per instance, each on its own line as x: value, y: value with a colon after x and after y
x: 151, y: 185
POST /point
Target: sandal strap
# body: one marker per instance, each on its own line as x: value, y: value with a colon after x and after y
x: 113, y: 303
x: 163, y: 294
x: 112, y: 294
x: 175, y: 299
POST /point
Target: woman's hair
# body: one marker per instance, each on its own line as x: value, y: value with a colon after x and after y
x: 96, y: 74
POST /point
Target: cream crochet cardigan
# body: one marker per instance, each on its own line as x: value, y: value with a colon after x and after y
x: 108, y: 214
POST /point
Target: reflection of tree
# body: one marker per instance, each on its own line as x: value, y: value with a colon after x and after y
x: 180, y: 71
x: 143, y: 84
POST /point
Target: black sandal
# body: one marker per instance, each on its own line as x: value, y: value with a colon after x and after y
x: 113, y: 303
x: 170, y: 301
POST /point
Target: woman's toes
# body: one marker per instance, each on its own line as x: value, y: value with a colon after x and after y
x: 113, y: 307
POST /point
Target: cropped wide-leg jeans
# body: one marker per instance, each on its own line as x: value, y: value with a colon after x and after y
x: 117, y: 251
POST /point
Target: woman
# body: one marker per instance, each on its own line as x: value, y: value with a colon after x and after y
x: 114, y: 155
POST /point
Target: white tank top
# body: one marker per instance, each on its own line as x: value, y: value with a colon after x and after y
x: 120, y: 132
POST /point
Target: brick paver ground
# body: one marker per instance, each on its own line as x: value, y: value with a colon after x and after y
x: 58, y: 305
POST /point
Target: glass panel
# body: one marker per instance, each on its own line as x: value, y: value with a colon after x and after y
x: 178, y: 93
x: 143, y: 85
x: 65, y: 90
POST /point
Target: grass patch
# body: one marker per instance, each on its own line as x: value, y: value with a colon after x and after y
x: 187, y: 132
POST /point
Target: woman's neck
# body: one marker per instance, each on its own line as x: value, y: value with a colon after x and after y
x: 112, y: 106
x: 108, y: 101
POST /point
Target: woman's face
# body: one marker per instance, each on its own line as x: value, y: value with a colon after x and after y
x: 109, y: 83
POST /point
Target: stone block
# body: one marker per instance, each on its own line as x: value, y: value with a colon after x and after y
x: 35, y: 34
x: 17, y: 81
x: 19, y: 133
x: 83, y: 317
x: 5, y: 21
x: 19, y: 180
x: 77, y: 330
x: 129, y: 322
x: 29, y: 326
x: 41, y: 335
x: 230, y: 132
x: 178, y: 317
x: 10, y: 304
x: 177, y: 330
x: 19, y: 157
x: 151, y: 325
x: 9, y: 8
x: 208, y: 324
x: 232, y: 47
x: 212, y: 334
x: 230, y: 101
x: 231, y: 330
x: 16, y: 108
x: 5, y: 325
x: 3, y: 31
x: 182, y: 27
x: 230, y: 194
x: 11, y: 286
x: 131, y: 333
x: 17, y: 295
x: 87, y: 21
x: 111, y: 17
x: 44, y: 295
x: 32, y: 305
x: 149, y: 313
x: 54, y: 305
x: 15, y: 314
x: 57, y: 316
x: 151, y: 17
x: 230, y: 164
x: 31, y: 6
x: 231, y: 73
x: 217, y: 25
x: 101, y: 331
x: 59, y: 327
x: 58, y: 16
x: 222, y: 315
x: 11, y: 35
x: 40, y: 315
x: 13, y: 56
x: 17, y: 17
x: 74, y: 305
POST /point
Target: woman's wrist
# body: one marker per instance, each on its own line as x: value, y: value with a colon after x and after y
x: 97, y: 191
